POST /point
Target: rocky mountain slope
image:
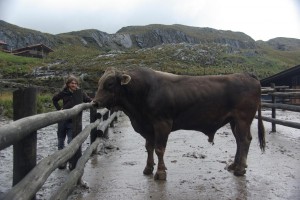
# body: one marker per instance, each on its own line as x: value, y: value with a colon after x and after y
x: 18, y: 37
x: 153, y: 35
x: 139, y: 37
x: 128, y: 37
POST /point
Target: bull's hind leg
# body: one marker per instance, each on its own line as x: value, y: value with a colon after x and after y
x: 243, y: 140
x: 150, y: 159
x: 233, y: 165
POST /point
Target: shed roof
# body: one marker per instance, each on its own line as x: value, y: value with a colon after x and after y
x: 34, y: 46
x: 282, y: 78
x: 2, y: 42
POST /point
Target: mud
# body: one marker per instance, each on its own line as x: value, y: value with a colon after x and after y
x: 196, y: 169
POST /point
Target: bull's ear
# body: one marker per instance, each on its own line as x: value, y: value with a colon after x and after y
x: 125, y: 79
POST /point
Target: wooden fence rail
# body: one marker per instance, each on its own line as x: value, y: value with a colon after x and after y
x: 282, y: 92
x: 21, y: 128
x: 16, y: 132
x: 38, y: 175
x: 281, y: 106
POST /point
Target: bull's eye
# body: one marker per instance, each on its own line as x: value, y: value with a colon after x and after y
x: 109, y: 85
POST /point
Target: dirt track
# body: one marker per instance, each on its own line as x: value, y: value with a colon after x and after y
x: 195, y: 167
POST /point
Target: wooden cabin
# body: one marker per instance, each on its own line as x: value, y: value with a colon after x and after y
x: 3, y: 46
x: 36, y: 51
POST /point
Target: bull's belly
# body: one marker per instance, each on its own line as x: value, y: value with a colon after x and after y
x: 206, y: 125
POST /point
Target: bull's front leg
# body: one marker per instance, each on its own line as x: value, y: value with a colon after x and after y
x: 161, y: 173
x: 150, y: 159
x: 162, y: 130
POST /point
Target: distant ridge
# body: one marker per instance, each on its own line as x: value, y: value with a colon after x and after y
x: 138, y: 36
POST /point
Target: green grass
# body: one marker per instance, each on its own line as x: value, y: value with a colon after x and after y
x: 44, y: 103
x: 12, y: 66
x: 6, y: 104
x: 73, y: 56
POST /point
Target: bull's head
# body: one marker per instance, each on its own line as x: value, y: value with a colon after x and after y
x: 110, y: 87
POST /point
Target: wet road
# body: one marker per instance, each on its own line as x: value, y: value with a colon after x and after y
x: 195, y: 167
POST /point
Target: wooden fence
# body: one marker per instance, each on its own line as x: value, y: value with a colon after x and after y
x: 29, y: 177
x: 280, y: 97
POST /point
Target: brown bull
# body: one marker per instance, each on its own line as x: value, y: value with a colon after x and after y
x: 158, y: 103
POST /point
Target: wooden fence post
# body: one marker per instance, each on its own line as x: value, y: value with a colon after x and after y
x: 76, y: 127
x: 273, y: 109
x: 93, y: 118
x: 113, y: 121
x: 105, y: 117
x: 24, y: 151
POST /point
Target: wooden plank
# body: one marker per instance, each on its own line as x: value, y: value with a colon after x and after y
x: 267, y: 90
x: 104, y: 125
x: 75, y: 175
x: 103, y: 111
x: 281, y: 106
x: 291, y: 90
x: 21, y: 128
x: 28, y: 186
x: 286, y: 94
x: 282, y: 122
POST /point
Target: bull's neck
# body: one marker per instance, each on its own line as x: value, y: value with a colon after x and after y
x: 134, y: 100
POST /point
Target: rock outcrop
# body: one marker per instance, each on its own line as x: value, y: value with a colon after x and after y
x: 153, y: 35
x: 17, y: 37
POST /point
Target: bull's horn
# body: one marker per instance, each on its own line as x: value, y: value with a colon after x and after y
x: 125, y: 79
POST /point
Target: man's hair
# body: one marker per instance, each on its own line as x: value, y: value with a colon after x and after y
x: 71, y: 78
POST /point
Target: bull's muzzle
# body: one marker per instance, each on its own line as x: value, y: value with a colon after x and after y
x: 95, y: 103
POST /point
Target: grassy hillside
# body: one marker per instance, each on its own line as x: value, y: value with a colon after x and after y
x: 192, y: 59
x: 12, y: 66
x: 198, y: 59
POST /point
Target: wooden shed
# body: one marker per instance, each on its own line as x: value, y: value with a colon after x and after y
x: 289, y: 77
x: 37, y: 51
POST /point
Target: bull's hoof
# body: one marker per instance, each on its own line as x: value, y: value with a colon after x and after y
x: 239, y: 171
x: 148, y: 170
x: 160, y: 175
x: 231, y: 167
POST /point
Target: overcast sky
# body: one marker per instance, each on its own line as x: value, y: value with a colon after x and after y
x: 260, y: 19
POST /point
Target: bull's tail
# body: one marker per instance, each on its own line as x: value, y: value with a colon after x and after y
x: 261, y: 130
